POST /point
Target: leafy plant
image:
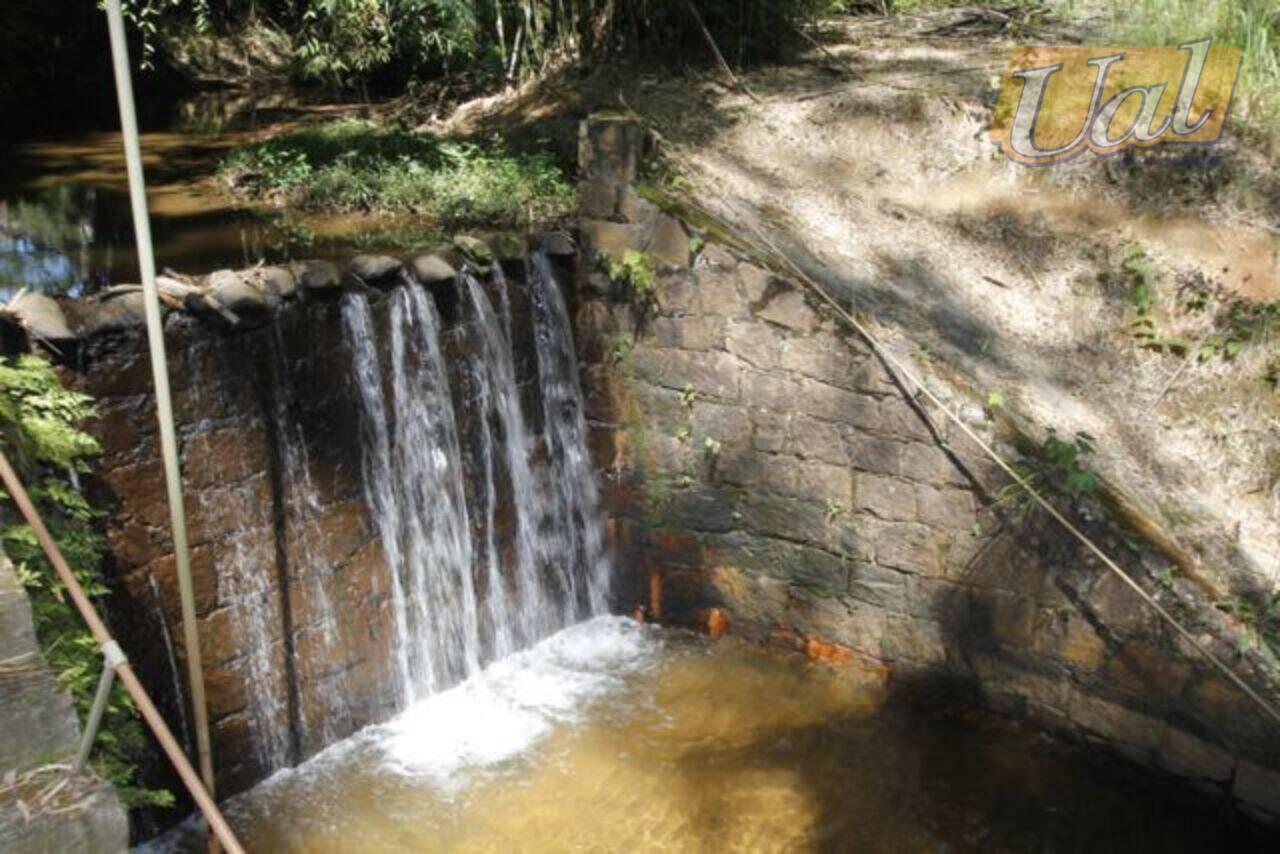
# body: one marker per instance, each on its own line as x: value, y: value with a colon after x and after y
x: 1057, y: 468
x: 1244, y: 323
x: 1141, y: 276
x: 633, y: 272
x: 39, y: 432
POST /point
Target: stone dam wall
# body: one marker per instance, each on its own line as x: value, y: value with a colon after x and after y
x: 766, y: 475
x: 761, y: 469
x: 292, y: 587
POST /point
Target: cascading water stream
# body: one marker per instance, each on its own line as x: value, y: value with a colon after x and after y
x: 415, y: 489
x: 530, y: 614
x: 577, y: 523
x: 302, y: 509
x: 446, y: 624
x: 246, y: 578
x: 375, y: 433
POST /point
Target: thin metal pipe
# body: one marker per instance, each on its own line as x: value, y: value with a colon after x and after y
x: 217, y: 824
x: 160, y: 373
x: 112, y: 657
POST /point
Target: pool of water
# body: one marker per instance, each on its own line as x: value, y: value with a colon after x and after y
x: 65, y: 223
x: 613, y: 736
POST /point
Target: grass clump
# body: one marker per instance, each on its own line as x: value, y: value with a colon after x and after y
x: 39, y: 433
x: 1251, y: 25
x: 352, y: 165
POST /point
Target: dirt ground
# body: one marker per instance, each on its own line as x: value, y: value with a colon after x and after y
x: 868, y: 163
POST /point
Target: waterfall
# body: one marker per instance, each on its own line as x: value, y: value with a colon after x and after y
x: 457, y: 602
x: 246, y: 585
x: 302, y: 511
x: 576, y: 522
x: 530, y: 615
x: 414, y: 487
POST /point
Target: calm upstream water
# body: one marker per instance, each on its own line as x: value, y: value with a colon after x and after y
x: 65, y: 224
x: 613, y: 736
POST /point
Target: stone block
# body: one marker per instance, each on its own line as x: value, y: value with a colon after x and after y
x: 599, y: 198
x: 712, y: 374
x: 779, y: 516
x: 945, y: 508
x: 874, y: 454
x: 835, y: 404
x: 927, y: 463
x: 774, y: 392
x: 668, y: 242
x: 790, y: 310
x: 756, y: 344
x: 728, y: 425
x: 907, y: 546
x: 1258, y: 787
x: 610, y: 149
x: 610, y: 239
x: 1149, y: 670
x: 919, y: 641
x: 823, y: 482
x: 1135, y: 734
x: 678, y: 294
x: 875, y: 585
x: 754, y: 281
x: 718, y: 295
x: 818, y: 440
x: 821, y: 357
x: 770, y: 431
x: 884, y: 497
x: 1186, y: 755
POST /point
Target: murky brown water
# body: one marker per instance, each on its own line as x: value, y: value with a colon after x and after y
x: 65, y: 224
x: 616, y: 738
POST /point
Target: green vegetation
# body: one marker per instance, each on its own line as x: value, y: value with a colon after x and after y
x: 1251, y: 25
x: 1058, y: 469
x: 634, y: 275
x: 352, y: 165
x: 39, y: 434
x: 1140, y: 274
x: 488, y: 41
x: 1234, y: 325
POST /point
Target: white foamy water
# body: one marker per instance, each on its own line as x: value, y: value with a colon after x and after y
x: 516, y: 701
x: 498, y: 716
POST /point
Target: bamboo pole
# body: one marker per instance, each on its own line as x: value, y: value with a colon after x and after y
x: 160, y: 373
x: 123, y: 670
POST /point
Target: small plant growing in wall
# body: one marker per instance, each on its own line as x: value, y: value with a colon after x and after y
x: 634, y: 276
x: 1057, y: 468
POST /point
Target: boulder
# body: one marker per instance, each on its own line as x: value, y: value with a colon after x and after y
x: 277, y: 283
x: 506, y: 245
x: 231, y: 292
x: 374, y: 269
x: 119, y: 311
x: 318, y: 275
x: 41, y: 317
x: 474, y: 249
x: 174, y: 292
x: 432, y: 270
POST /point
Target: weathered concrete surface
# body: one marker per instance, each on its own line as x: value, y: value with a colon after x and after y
x: 762, y: 462
x: 38, y: 726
